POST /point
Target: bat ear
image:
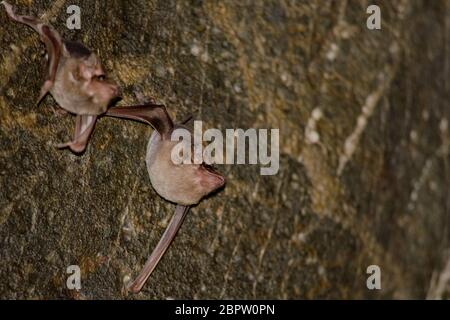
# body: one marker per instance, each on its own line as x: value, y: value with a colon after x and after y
x: 153, y: 114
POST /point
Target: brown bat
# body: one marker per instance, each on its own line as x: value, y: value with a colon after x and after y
x: 75, y: 78
x: 183, y: 184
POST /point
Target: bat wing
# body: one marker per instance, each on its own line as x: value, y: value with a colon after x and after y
x: 51, y: 39
x: 153, y: 114
x: 166, y: 239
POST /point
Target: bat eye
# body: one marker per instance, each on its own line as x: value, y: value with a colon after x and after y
x: 100, y: 77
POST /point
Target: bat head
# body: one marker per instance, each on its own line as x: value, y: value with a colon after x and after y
x: 87, y: 73
x: 184, y: 184
x: 101, y: 90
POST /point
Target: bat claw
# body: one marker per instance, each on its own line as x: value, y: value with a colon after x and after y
x: 131, y: 287
x: 74, y: 146
x: 44, y: 90
x: 58, y: 112
x: 63, y: 145
x: 38, y: 101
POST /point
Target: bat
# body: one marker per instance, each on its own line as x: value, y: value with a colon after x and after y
x: 75, y: 78
x: 183, y: 184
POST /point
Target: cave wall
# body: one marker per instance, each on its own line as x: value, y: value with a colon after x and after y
x: 364, y: 152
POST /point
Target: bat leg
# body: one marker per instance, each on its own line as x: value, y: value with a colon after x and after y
x: 160, y: 249
x: 84, y: 125
x: 51, y: 39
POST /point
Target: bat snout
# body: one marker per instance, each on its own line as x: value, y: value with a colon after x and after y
x: 116, y: 91
x: 112, y: 90
x: 211, y: 180
x: 108, y: 94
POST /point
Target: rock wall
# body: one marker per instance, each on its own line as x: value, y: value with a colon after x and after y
x: 364, y: 152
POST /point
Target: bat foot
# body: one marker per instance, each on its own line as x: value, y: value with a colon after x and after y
x: 58, y: 112
x: 132, y: 288
x: 74, y: 146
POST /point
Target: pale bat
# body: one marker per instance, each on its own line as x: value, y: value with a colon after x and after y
x: 183, y: 184
x: 75, y: 78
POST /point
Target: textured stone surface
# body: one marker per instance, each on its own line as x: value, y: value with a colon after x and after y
x: 364, y: 167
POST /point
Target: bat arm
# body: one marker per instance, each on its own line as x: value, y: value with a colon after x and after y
x: 129, y: 112
x: 154, y: 115
x: 166, y: 239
